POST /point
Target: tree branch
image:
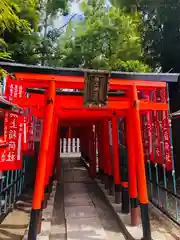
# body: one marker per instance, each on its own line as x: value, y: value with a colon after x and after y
x: 67, y: 21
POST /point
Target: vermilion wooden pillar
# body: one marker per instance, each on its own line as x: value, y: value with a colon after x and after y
x: 50, y: 162
x: 111, y: 178
x: 132, y: 170
x: 125, y: 206
x: 81, y: 144
x: 89, y: 146
x: 50, y: 159
x: 140, y: 165
x: 41, y: 168
x: 84, y: 142
x: 108, y: 155
x: 52, y: 156
x: 101, y: 150
x: 95, y: 148
x: 92, y: 152
x: 116, y: 167
x: 89, y: 149
x: 57, y: 156
x: 106, y: 150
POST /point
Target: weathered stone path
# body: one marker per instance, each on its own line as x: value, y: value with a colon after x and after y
x: 80, y: 212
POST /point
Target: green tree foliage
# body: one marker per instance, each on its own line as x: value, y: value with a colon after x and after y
x: 20, y: 23
x: 24, y: 32
x: 9, y: 21
x: 163, y: 35
x: 12, y: 20
x: 106, y: 38
x: 161, y: 24
x: 50, y: 9
x: 9, y: 18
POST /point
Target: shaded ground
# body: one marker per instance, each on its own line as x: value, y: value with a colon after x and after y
x: 15, y: 224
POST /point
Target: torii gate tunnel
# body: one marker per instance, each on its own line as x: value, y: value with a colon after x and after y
x: 130, y: 96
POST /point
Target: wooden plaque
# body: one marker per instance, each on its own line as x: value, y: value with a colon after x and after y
x: 96, y: 89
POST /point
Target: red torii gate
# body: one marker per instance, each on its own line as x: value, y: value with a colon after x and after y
x: 53, y: 106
